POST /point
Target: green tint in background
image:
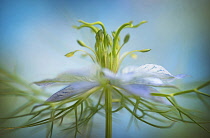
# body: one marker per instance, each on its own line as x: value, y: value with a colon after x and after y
x: 35, y: 36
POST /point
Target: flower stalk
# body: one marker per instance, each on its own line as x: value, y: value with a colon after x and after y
x: 108, y: 107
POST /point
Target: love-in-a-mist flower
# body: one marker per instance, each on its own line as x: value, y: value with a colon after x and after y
x: 105, y: 77
x: 106, y: 55
x: 105, y: 89
x: 139, y: 81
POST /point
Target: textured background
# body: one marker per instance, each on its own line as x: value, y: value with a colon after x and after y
x: 35, y: 36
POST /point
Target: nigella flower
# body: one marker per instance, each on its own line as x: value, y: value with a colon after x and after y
x: 142, y: 80
x: 95, y: 89
x: 139, y: 81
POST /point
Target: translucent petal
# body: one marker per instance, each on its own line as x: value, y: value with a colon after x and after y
x: 154, y: 70
x: 70, y: 76
x: 145, y: 75
x: 129, y: 70
x: 144, y: 91
x: 180, y: 76
x: 80, y: 72
x: 109, y: 74
x: 151, y: 81
x: 139, y: 89
x: 127, y: 77
x: 146, y: 70
x: 149, y: 71
x: 71, y: 90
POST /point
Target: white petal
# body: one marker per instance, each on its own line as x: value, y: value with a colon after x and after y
x: 180, y: 76
x: 71, y: 90
x: 109, y: 74
x: 139, y: 89
x: 126, y: 77
x: 70, y: 76
x: 129, y: 70
x: 154, y: 70
x: 147, y: 70
x: 87, y: 71
x: 144, y: 91
x: 156, y: 82
x: 128, y: 73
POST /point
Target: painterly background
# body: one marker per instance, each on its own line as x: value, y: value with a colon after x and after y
x: 35, y: 36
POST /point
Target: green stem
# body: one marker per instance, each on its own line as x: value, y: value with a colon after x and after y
x: 108, y: 107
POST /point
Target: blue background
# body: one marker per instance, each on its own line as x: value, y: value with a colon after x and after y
x: 35, y: 36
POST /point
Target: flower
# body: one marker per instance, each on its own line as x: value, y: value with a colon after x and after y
x: 134, y: 80
x: 105, y: 79
x: 94, y: 89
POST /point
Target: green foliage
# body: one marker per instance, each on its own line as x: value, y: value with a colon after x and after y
x: 80, y: 110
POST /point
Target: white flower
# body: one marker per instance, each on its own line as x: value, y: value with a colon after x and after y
x: 139, y: 81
